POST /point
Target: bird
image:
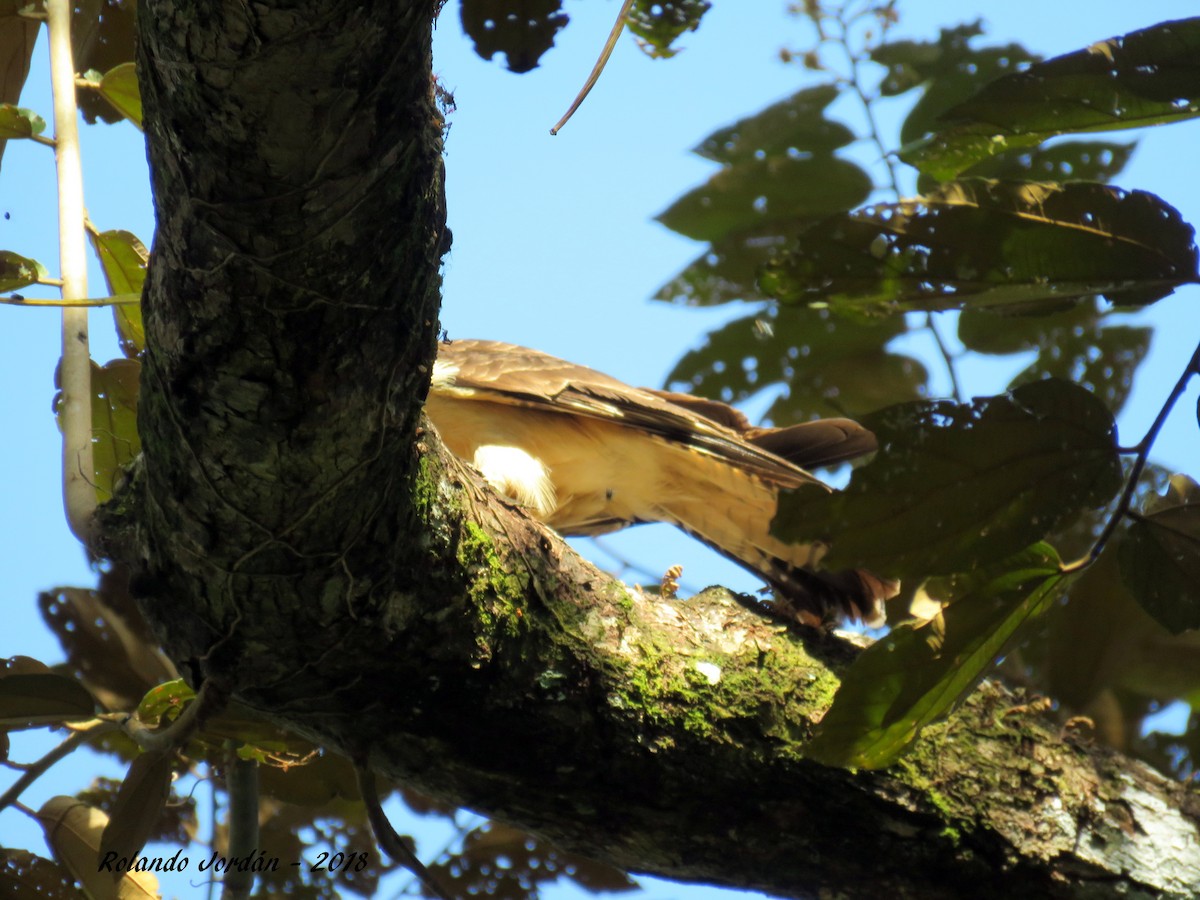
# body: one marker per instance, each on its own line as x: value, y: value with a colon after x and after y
x: 587, y: 454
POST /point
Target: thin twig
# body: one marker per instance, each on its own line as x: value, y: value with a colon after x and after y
x: 931, y: 325
x: 1139, y: 463
x: 386, y: 835
x: 37, y: 769
x: 114, y: 300
x: 177, y: 733
x: 617, y: 28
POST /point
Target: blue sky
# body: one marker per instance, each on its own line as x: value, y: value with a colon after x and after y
x: 554, y: 244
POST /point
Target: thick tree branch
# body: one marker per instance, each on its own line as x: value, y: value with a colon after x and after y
x: 303, y: 540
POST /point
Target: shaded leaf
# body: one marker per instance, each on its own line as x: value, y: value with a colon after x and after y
x: 124, y: 260
x: 32, y: 694
x: 795, y: 124
x: 117, y: 664
x: 18, y: 34
x: 751, y: 193
x: 17, y: 271
x: 26, y: 875
x: 120, y: 88
x: 985, y: 243
x: 1068, y: 161
x: 520, y: 29
x: 657, y: 24
x: 957, y: 486
x: 919, y: 671
x: 502, y: 862
x: 950, y: 70
x: 177, y: 825
x: 103, y: 35
x: 829, y: 365
x: 73, y: 830
x: 1147, y: 77
x: 138, y: 806
x: 16, y: 122
x: 1160, y: 557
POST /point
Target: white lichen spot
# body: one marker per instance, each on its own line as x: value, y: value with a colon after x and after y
x: 711, y: 672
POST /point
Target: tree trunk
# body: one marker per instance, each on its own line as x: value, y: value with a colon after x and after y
x: 303, y: 539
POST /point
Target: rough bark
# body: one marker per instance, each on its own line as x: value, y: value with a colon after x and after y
x: 302, y: 538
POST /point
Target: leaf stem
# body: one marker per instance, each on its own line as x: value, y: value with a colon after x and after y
x: 79, y: 494
x: 388, y: 839
x: 605, y: 53
x: 1139, y: 463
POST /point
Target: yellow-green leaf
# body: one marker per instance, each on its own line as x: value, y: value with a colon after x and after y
x: 120, y: 88
x: 124, y: 259
x: 73, y: 830
x: 17, y: 271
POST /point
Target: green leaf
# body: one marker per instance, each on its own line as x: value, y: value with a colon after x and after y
x: 1147, y: 77
x: 520, y: 29
x: 752, y: 193
x: 120, y: 88
x: 957, y: 486
x: 139, y: 804
x: 17, y: 271
x: 115, y: 440
x: 164, y: 701
x: 124, y: 259
x: 32, y: 694
x: 17, y: 122
x: 919, y: 671
x: 1160, y: 557
x: 829, y: 364
x: 795, y: 124
x: 657, y: 24
x: 1066, y: 161
x: 1029, y: 246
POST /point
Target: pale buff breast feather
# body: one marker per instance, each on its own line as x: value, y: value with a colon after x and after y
x: 587, y: 454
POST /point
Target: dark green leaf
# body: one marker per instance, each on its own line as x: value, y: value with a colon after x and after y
x: 795, y: 124
x: 26, y: 875
x: 138, y: 806
x: 658, y: 23
x: 18, y: 35
x: 831, y: 365
x: 984, y: 243
x: 520, y: 29
x: 31, y: 694
x: 104, y: 35
x: 1068, y: 161
x: 949, y: 69
x: 752, y: 193
x: 918, y: 672
x: 1160, y: 557
x: 16, y: 122
x: 124, y: 259
x: 120, y: 88
x: 17, y: 271
x: 1147, y: 77
x: 957, y: 486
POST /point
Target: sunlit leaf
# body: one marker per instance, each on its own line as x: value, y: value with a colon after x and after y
x: 657, y: 24
x: 751, y: 193
x: 139, y: 804
x: 103, y: 35
x: 918, y: 672
x: 1147, y: 77
x: 73, y: 830
x: 120, y: 88
x: 31, y: 694
x: 18, y: 271
x: 984, y: 243
x: 124, y: 260
x: 795, y: 124
x: 164, y: 700
x: 16, y: 122
x: 957, y: 486
x: 520, y: 29
x: 115, y: 440
x: 1160, y: 557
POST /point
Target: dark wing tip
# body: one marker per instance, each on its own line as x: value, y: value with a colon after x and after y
x: 810, y: 445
